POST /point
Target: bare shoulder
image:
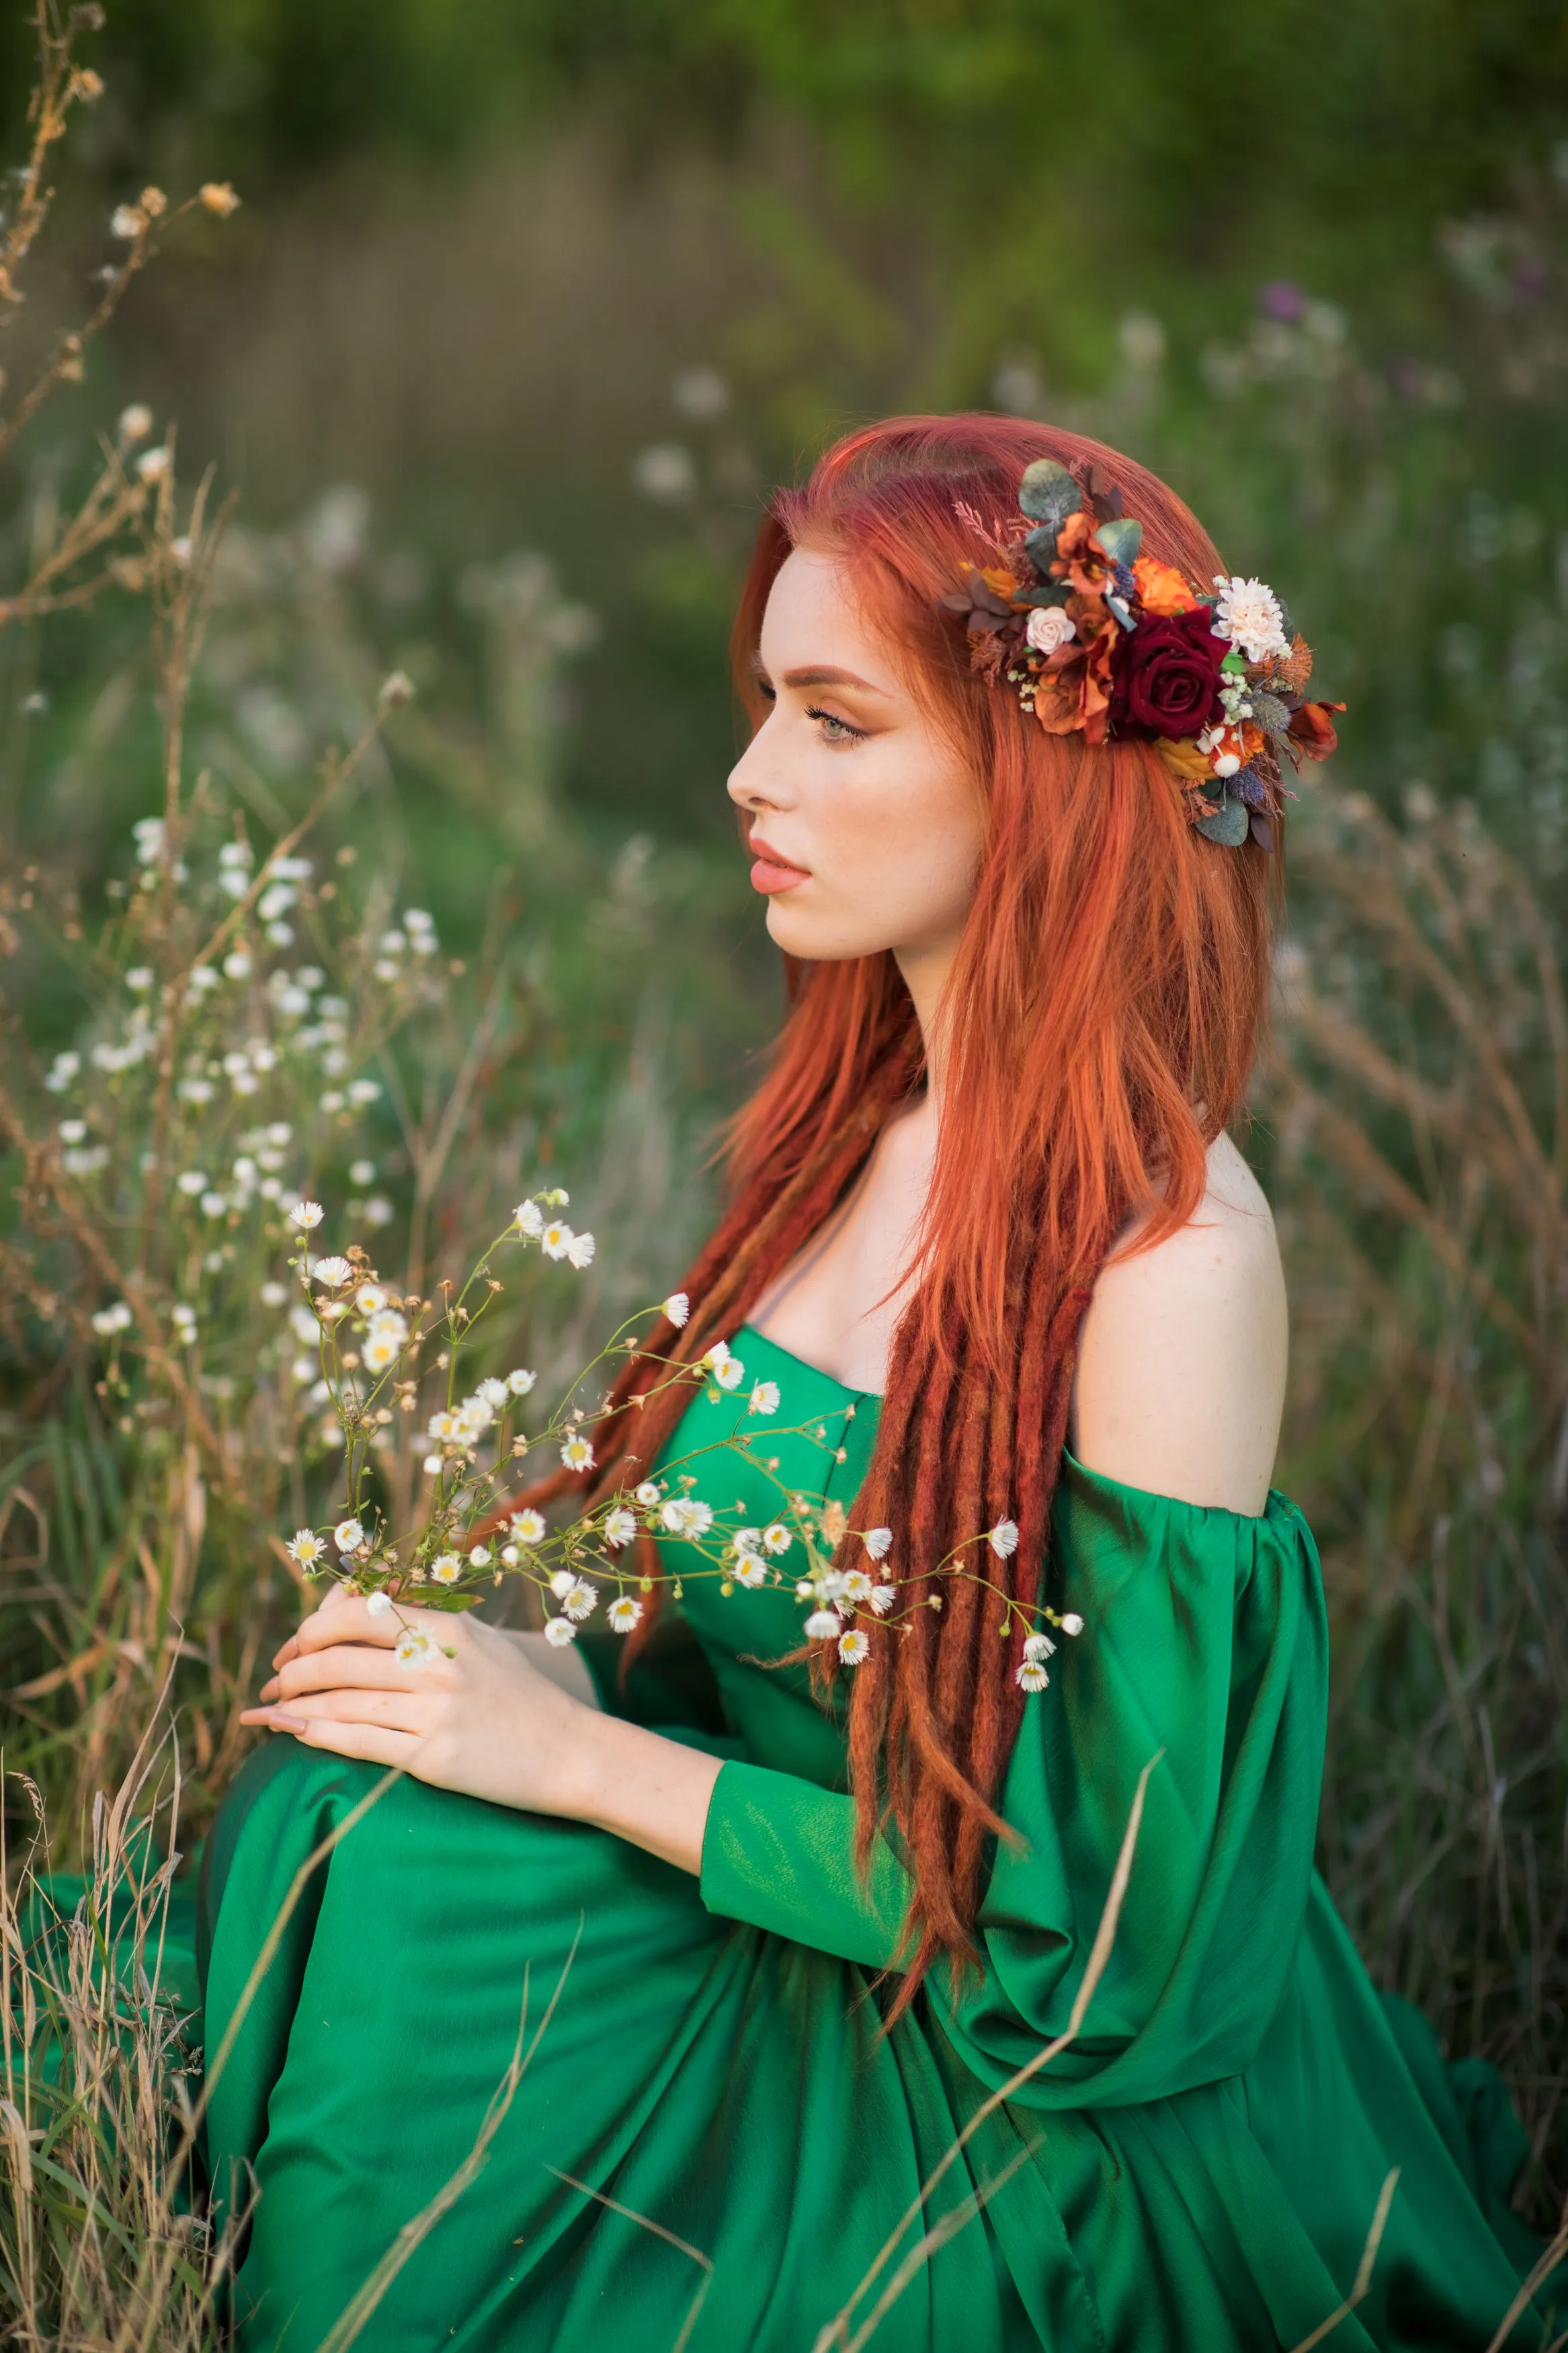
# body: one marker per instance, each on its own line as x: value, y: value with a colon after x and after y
x: 1181, y: 1380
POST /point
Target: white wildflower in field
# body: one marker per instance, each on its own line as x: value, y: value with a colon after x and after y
x: 577, y: 1454
x: 883, y: 1598
x: 380, y: 1352
x: 495, y: 1393
x: 306, y: 1547
x: 879, y: 1542
x: 332, y: 1273
x: 153, y: 465
x: 306, y: 1215
x: 1072, y: 1624
x: 273, y: 1295
x: 362, y: 1172
x: 683, y: 1516
x: 479, y: 1556
x: 446, y: 1568
x: 348, y: 1535
x: 648, y: 1494
x: 620, y: 1528
x: 1038, y: 1647
x: 135, y: 422
x: 115, y: 1318
x: 726, y: 1369
x: 777, y: 1537
x: 184, y: 1318
x: 556, y: 1240
x: 370, y: 1298
x: 1032, y: 1676
x: 378, y: 1212
x: 853, y: 1646
x: 414, y: 1648
x: 857, y: 1587
x: 528, y: 1219
x: 304, y: 1369
x: 140, y: 979
x: 580, y: 1250
x: 521, y: 1382
x: 678, y: 1307
x: 1004, y: 1539
x: 443, y: 1426
x: 387, y: 1324
x: 509, y: 1556
x: 62, y: 1071
x: 764, y: 1398
x: 362, y: 1092
x: 563, y: 1581
x: 749, y: 1570
x: 623, y: 1613
x: 432, y: 1466
x: 559, y: 1631
x: 303, y: 1323
x: 581, y: 1601
x: 196, y: 1090
x: 378, y: 1605
x: 191, y: 1181
x: 824, y: 1626
x: 527, y: 1527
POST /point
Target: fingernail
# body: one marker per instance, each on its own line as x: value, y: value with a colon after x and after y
x: 288, y: 1723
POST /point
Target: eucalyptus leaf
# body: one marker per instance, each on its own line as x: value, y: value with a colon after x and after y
x: 1117, y: 607
x: 1122, y: 538
x: 1050, y: 592
x: 1040, y: 546
x: 1229, y: 825
x: 1047, y: 493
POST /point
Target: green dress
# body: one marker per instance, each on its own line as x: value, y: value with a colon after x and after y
x: 1195, y: 2175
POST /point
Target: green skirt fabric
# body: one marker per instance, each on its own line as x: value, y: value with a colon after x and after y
x: 713, y: 2121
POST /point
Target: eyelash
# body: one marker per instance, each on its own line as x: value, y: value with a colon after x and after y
x: 831, y: 719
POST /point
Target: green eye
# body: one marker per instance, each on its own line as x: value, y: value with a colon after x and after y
x: 836, y: 729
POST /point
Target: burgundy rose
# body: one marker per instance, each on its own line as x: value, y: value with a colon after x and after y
x: 1165, y: 675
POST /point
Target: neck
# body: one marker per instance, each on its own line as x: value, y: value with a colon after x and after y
x: 926, y: 972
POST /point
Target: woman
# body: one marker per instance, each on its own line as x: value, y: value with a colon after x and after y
x: 1014, y: 816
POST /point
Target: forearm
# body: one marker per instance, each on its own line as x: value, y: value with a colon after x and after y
x: 648, y: 1791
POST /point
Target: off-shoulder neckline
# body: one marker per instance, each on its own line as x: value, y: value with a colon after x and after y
x: 1103, y: 1479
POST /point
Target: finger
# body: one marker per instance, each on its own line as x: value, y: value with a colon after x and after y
x: 291, y: 1649
x: 347, y: 1618
x: 391, y: 1711
x: 371, y: 1743
x: 351, y: 1664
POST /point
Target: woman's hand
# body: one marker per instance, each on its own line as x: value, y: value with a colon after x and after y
x: 484, y: 1721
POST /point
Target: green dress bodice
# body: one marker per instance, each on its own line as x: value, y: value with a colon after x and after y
x: 714, y: 2121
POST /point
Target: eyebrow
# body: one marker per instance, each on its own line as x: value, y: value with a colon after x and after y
x: 820, y: 674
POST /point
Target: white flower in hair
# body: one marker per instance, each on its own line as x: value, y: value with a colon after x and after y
x: 1250, y: 616
x: 1003, y: 1538
x: 1050, y: 627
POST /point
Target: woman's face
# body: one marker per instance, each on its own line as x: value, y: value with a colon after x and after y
x: 866, y: 827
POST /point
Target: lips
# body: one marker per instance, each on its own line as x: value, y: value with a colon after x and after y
x: 769, y: 871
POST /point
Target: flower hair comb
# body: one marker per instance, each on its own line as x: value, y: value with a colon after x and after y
x: 1102, y: 641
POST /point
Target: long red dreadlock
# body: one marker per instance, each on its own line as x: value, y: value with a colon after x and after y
x: 1105, y: 1008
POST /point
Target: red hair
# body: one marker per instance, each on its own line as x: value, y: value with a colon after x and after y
x: 1103, y: 1014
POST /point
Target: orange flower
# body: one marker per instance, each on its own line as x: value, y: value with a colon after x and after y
x: 1079, y: 557
x: 1073, y: 690
x: 1162, y: 589
x: 1182, y: 757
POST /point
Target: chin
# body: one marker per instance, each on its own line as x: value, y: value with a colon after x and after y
x: 792, y: 930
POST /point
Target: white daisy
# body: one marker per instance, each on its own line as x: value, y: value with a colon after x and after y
x: 581, y: 1601
x: 479, y: 1556
x: 726, y: 1369
x: 580, y: 1249
x: 883, y: 1597
x: 432, y: 1466
x: 879, y: 1542
x: 306, y: 1548
x: 678, y: 1307
x: 777, y: 1537
x: 853, y: 1646
x: 528, y: 1219
x: 509, y: 1556
x: 577, y: 1454
x: 306, y: 1215
x: 648, y: 1494
x: 749, y: 1571
x: 1003, y: 1538
x: 527, y: 1527
x: 623, y: 1613
x: 1032, y: 1676
x: 378, y: 1605
x: 380, y: 1352
x: 559, y: 1631
x: 857, y: 1587
x: 1038, y: 1647
x: 348, y: 1535
x: 1071, y: 1624
x: 683, y: 1516
x: 446, y: 1568
x: 370, y: 1298
x: 520, y: 1382
x: 764, y: 1398
x: 824, y: 1626
x: 414, y: 1648
x: 620, y: 1528
x: 495, y: 1393
x: 556, y: 1239
x: 563, y: 1581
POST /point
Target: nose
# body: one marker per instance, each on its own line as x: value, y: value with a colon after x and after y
x: 755, y: 781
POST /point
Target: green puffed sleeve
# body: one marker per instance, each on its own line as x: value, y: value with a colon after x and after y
x: 1204, y: 1644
